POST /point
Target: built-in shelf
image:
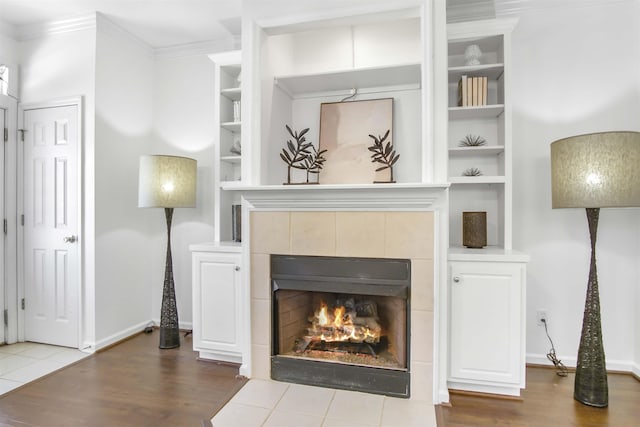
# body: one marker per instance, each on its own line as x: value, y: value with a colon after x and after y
x: 488, y: 253
x: 373, y: 77
x: 480, y: 112
x: 231, y: 126
x: 231, y: 185
x: 471, y: 151
x: 225, y: 246
x: 477, y: 179
x: 235, y: 159
x: 492, y: 71
x: 233, y: 93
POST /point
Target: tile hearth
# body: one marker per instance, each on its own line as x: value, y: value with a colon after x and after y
x: 265, y: 403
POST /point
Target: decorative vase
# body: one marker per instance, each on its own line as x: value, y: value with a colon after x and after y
x: 474, y: 229
x: 472, y: 55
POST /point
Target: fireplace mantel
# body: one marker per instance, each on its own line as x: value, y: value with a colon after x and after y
x: 308, y: 220
x: 343, y: 196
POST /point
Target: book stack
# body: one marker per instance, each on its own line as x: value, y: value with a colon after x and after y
x: 472, y: 91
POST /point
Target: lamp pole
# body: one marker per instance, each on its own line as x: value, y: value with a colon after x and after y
x: 169, y: 326
x: 591, y: 387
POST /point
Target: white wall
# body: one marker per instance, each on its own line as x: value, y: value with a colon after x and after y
x: 183, y: 125
x: 123, y: 121
x: 57, y: 67
x: 575, y: 71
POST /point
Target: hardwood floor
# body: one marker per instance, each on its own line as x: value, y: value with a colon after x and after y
x: 137, y: 384
x: 131, y: 384
x: 547, y: 401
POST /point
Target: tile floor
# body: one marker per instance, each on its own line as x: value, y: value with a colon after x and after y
x: 263, y: 403
x: 26, y: 361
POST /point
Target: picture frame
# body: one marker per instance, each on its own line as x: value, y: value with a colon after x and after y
x: 344, y: 132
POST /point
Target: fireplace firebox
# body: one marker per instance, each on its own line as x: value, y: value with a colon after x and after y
x: 341, y: 322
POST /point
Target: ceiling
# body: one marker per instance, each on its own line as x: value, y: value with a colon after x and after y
x: 159, y: 23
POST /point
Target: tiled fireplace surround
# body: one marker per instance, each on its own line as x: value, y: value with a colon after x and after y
x: 380, y: 223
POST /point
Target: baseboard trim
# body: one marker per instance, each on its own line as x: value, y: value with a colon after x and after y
x: 613, y: 366
x: 483, y: 394
x: 183, y: 326
x: 635, y: 371
x: 118, y: 337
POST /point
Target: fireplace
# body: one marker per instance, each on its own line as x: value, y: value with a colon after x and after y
x: 341, y: 322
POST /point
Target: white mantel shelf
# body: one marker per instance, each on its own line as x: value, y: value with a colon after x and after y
x: 343, y: 196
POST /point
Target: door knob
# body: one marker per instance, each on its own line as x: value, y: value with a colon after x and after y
x: 456, y: 279
x: 70, y: 239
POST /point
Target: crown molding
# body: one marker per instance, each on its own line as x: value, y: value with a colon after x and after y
x: 518, y: 7
x: 107, y: 26
x: 198, y: 48
x: 35, y: 31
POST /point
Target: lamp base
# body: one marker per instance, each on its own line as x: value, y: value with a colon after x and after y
x: 591, y: 386
x: 169, y: 330
x: 169, y: 338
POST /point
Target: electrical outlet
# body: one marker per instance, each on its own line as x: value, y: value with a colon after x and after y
x: 540, y: 316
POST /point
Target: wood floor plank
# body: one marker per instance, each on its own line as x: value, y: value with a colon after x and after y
x: 131, y: 384
x: 547, y: 401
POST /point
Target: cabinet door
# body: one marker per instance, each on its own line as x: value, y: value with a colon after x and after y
x: 216, y: 302
x: 486, y: 322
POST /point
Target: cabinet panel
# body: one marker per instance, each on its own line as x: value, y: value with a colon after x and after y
x: 486, y: 329
x: 216, y: 306
x: 218, y: 291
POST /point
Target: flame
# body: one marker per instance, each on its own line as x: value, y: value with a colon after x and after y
x: 339, y: 326
x: 323, y: 318
x: 339, y: 314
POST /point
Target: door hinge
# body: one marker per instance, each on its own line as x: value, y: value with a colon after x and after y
x: 6, y: 134
x: 22, y: 303
x: 22, y: 219
x: 4, y: 226
x: 6, y: 317
x: 22, y: 131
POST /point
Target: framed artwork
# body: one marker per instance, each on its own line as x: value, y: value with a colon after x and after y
x: 344, y: 132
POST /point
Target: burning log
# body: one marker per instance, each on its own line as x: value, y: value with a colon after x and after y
x: 349, y: 321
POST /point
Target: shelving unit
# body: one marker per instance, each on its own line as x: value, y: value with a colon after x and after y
x: 328, y: 64
x: 227, y: 164
x: 490, y: 191
x: 487, y: 356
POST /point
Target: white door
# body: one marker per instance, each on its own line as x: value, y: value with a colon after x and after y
x: 51, y: 248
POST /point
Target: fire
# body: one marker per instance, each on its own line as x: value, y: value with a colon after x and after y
x: 341, y: 326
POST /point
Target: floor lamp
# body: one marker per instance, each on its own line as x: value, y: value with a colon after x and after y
x: 599, y: 170
x: 167, y: 182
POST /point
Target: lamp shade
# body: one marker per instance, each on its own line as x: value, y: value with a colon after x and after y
x: 167, y: 182
x: 596, y: 170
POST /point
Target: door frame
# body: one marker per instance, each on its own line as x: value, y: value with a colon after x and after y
x: 65, y: 102
x: 9, y: 299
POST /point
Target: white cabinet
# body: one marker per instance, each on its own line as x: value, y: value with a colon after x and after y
x: 487, y: 323
x: 228, y: 139
x: 217, y: 322
x: 486, y: 286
